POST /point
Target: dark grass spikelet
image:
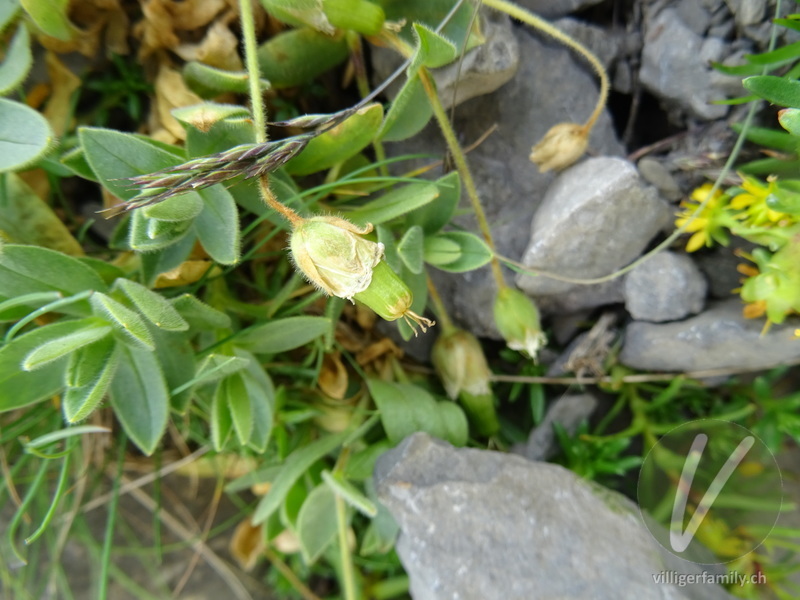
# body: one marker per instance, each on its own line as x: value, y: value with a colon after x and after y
x: 248, y: 160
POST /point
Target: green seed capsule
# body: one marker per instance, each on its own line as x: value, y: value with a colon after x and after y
x: 517, y: 319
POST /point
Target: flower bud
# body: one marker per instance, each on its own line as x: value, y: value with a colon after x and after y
x: 517, y: 319
x: 459, y: 360
x: 334, y: 256
x: 560, y: 147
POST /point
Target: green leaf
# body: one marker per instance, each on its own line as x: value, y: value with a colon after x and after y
x: 221, y: 422
x: 26, y: 219
x: 217, y: 366
x: 339, y: 143
x: 316, y: 523
x: 207, y: 81
x: 433, y: 50
x: 29, y: 269
x: 784, y: 54
x: 789, y: 119
x: 262, y: 400
x: 200, y: 315
x: 50, y: 16
x: 167, y: 258
x: 456, y: 251
x: 295, y: 466
x: 775, y: 90
x: 153, y: 306
x: 139, y: 397
x: 381, y: 533
x: 147, y: 235
x: 411, y: 249
x: 8, y: 12
x: 282, y: 335
x: 115, y: 156
x: 395, y: 203
x: 350, y: 493
x: 771, y: 138
x: 125, y: 321
x: 85, y: 364
x: 52, y: 350
x: 432, y: 217
x: 25, y: 135
x: 63, y: 434
x: 20, y: 388
x: 80, y: 401
x: 409, y: 112
x: 75, y: 161
x: 183, y: 207
x: 232, y: 393
x: 17, y: 62
x: 297, y: 56
x: 784, y: 200
x: 176, y: 357
x: 217, y: 226
x: 406, y: 409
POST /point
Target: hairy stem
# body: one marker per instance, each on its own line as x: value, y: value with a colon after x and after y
x: 463, y: 168
x: 253, y: 71
x: 274, y: 204
x: 529, y: 18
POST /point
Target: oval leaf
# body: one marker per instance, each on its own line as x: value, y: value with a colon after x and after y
x: 139, y: 397
x: 217, y: 225
x: 282, y: 335
x: 25, y: 135
x: 316, y: 523
x: 777, y: 90
x: 61, y: 347
x: 123, y: 320
x: 79, y: 402
x: 395, y: 203
x: 153, y: 306
x: 17, y: 62
x: 472, y: 251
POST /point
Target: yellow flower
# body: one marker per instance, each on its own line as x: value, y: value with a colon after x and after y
x: 706, y: 224
x: 753, y: 202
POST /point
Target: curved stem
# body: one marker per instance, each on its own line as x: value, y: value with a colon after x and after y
x: 438, y: 306
x: 271, y: 201
x: 529, y: 18
x: 463, y: 168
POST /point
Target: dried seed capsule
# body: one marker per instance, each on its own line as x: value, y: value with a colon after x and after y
x: 333, y: 255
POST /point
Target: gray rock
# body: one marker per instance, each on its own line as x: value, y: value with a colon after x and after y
x: 694, y: 16
x: 597, y: 216
x: 556, y: 8
x: 748, y: 12
x: 480, y: 525
x: 719, y: 338
x: 655, y: 173
x: 674, y: 66
x: 607, y: 45
x: 568, y: 411
x: 666, y: 287
x: 483, y: 69
x: 551, y: 86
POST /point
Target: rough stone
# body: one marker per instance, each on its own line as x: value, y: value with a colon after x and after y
x: 666, y: 287
x: 568, y: 411
x: 718, y: 338
x: 672, y: 71
x: 483, y: 69
x: 694, y: 16
x: 480, y: 525
x: 748, y: 12
x: 556, y: 8
x: 551, y: 86
x: 596, y: 216
x: 655, y: 173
